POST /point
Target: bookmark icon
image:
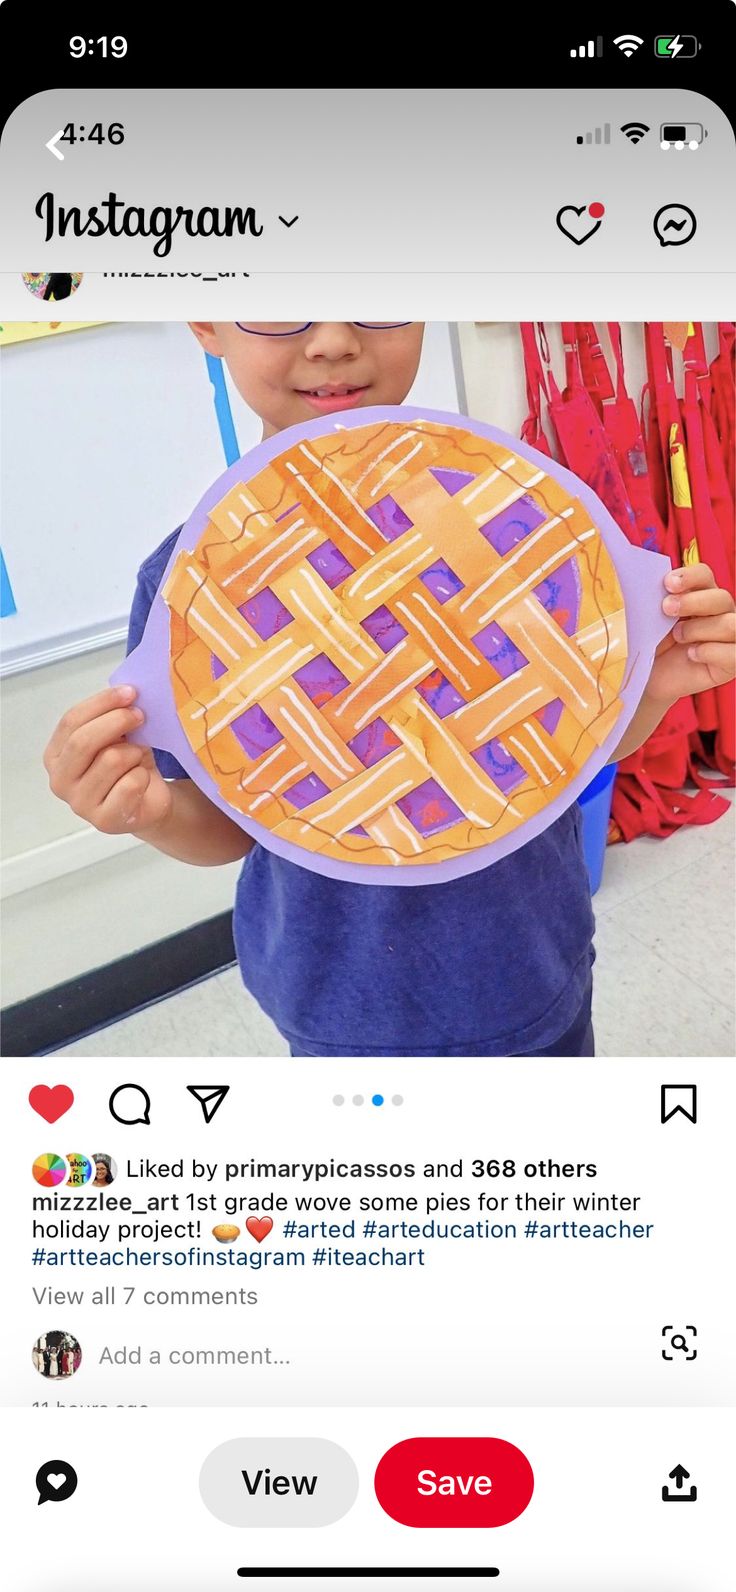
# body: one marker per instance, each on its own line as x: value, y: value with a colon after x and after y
x: 679, y: 1097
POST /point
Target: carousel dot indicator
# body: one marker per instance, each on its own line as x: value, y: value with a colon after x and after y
x: 377, y: 1100
x: 397, y: 1100
x: 358, y: 1100
x: 338, y: 1100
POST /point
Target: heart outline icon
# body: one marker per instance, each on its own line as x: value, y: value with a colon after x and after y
x: 51, y: 1103
x: 259, y: 1227
x: 577, y: 210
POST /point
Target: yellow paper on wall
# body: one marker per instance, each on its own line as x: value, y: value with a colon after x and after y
x: 27, y: 331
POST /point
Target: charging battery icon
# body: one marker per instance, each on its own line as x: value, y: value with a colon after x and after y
x: 669, y: 45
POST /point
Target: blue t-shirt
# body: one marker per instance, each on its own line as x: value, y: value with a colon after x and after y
x: 497, y: 963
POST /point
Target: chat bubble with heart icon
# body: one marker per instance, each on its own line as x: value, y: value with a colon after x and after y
x: 56, y: 1481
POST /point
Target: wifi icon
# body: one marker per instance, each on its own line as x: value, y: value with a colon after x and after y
x: 628, y: 43
x: 635, y: 131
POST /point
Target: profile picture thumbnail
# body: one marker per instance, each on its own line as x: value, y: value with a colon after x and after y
x: 57, y: 1355
x: 49, y: 1169
x: 80, y: 1169
x: 53, y: 286
x: 104, y: 1170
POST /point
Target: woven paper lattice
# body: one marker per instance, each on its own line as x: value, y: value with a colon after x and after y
x: 396, y: 643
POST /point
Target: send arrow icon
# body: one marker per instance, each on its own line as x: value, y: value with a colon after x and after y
x: 210, y: 1096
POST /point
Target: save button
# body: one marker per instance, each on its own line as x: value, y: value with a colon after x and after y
x: 454, y: 1481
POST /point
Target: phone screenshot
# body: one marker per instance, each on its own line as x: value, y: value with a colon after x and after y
x: 367, y: 826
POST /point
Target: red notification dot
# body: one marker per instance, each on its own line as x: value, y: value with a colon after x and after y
x: 596, y: 210
x: 454, y: 1481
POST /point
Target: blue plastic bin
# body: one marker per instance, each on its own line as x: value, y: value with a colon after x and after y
x: 595, y: 803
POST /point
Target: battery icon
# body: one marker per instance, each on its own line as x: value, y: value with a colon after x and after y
x: 670, y: 45
x: 679, y: 135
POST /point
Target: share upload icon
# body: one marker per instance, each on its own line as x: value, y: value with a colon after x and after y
x: 210, y: 1096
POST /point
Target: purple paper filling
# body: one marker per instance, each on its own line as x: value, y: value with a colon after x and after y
x: 374, y: 742
x: 549, y: 716
x: 321, y: 679
x: 499, y: 649
x: 500, y: 766
x: 439, y: 695
x: 307, y: 790
x: 452, y: 480
x: 512, y: 524
x: 255, y: 731
x: 386, y: 631
x: 389, y: 519
x: 429, y: 808
x: 560, y: 594
x: 441, y: 581
x: 266, y: 613
x: 328, y: 562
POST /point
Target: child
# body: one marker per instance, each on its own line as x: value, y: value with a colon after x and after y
x: 497, y: 963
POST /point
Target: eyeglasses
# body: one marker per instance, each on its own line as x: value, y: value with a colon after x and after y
x: 292, y: 328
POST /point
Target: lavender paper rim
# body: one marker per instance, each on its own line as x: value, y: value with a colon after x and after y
x: 640, y: 574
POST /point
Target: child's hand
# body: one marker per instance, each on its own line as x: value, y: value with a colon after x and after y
x: 114, y: 785
x: 700, y: 652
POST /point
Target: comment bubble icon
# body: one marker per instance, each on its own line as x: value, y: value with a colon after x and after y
x: 130, y: 1104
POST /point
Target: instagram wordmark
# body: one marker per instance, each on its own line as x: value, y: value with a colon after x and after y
x: 115, y: 219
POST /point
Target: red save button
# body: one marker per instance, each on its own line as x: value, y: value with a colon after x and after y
x: 454, y: 1481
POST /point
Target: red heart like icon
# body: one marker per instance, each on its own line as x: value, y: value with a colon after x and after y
x: 259, y: 1227
x: 51, y: 1103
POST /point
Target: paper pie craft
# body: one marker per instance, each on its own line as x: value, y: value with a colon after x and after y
x: 396, y: 644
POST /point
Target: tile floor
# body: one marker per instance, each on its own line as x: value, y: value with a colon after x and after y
x: 664, y: 982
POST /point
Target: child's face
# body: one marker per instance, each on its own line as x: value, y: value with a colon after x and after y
x: 334, y: 365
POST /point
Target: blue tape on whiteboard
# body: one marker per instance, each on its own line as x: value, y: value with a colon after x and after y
x: 216, y: 372
x: 7, y: 600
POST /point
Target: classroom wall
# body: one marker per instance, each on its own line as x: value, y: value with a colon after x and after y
x: 107, y: 435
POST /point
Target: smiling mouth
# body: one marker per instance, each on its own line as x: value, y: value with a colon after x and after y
x: 342, y: 390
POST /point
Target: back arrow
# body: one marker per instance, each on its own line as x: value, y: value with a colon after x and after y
x: 53, y: 142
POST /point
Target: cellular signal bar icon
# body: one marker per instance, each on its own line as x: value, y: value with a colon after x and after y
x: 587, y: 51
x: 599, y: 135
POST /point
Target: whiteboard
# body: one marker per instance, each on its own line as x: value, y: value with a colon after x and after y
x: 109, y: 439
